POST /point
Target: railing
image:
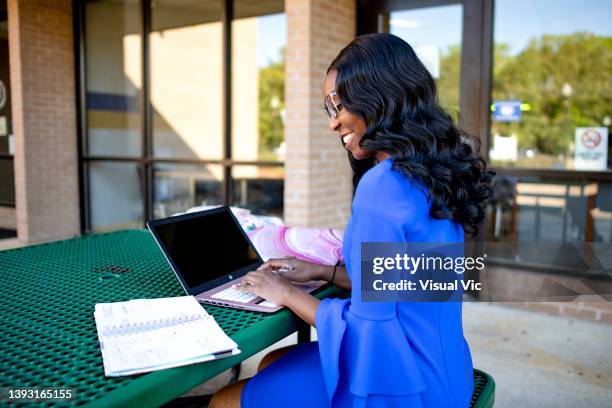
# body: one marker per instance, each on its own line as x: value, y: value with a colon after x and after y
x: 550, y: 206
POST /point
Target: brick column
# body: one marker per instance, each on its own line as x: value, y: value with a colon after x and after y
x: 7, y: 218
x: 318, y: 187
x: 41, y: 56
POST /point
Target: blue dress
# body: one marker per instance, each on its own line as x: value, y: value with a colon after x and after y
x: 383, y: 354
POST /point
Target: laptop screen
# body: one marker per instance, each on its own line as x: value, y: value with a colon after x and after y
x: 206, y: 247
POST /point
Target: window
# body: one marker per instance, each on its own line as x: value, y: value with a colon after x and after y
x: 113, y: 83
x: 552, y: 91
x: 259, y: 188
x: 259, y: 37
x: 550, y: 122
x: 186, y: 62
x: 113, y: 78
x: 7, y: 178
x: 544, y: 209
x: 163, y: 128
x: 116, y: 195
x: 181, y: 186
x: 435, y: 35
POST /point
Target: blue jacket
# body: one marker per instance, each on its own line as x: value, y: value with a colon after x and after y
x: 387, y: 354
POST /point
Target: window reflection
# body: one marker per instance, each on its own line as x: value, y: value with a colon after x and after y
x: 259, y: 188
x: 186, y: 79
x: 435, y: 35
x: 552, y: 89
x: 113, y: 78
x: 259, y: 38
x: 179, y: 187
x: 115, y: 196
x: 185, y: 92
x: 531, y: 209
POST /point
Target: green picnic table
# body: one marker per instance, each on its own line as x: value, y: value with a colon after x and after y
x: 49, y: 338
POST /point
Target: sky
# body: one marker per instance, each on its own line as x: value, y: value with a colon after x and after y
x: 271, y: 37
x: 515, y: 23
x: 421, y: 27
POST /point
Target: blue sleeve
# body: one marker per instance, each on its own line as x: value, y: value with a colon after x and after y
x: 368, y: 335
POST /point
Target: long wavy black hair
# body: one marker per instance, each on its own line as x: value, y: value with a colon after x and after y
x: 380, y: 78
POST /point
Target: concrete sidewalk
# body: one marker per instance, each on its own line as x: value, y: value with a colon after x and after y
x: 539, y: 360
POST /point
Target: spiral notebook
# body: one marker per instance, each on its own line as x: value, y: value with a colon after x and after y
x: 144, y: 335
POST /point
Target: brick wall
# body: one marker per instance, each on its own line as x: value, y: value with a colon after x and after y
x: 507, y: 283
x: 44, y: 119
x: 318, y: 187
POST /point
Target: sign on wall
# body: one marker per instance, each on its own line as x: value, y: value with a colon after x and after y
x: 507, y: 111
x: 591, y: 151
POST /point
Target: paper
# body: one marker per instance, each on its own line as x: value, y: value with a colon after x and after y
x: 152, y: 334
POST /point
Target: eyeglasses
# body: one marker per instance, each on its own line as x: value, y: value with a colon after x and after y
x: 331, y: 109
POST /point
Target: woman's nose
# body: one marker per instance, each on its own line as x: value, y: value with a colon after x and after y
x: 334, y: 123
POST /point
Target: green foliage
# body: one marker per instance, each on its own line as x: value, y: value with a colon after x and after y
x: 271, y: 90
x: 536, y: 76
x: 448, y: 83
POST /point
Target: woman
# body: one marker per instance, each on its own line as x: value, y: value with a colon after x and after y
x: 417, y: 180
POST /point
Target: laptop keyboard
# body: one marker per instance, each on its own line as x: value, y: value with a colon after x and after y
x: 234, y: 295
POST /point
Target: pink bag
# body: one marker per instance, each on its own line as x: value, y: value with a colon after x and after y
x: 318, y: 245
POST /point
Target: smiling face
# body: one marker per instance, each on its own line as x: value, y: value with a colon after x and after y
x: 350, y: 127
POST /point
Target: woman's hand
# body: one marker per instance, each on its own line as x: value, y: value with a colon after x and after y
x: 297, y: 270
x: 268, y: 285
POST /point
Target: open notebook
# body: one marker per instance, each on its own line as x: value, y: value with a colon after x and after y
x: 145, y: 335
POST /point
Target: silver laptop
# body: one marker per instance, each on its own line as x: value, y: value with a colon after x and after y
x: 209, y: 252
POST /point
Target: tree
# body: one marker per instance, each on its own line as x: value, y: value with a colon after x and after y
x: 536, y: 76
x: 448, y: 83
x: 271, y: 104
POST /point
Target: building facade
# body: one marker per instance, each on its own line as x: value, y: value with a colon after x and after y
x: 113, y: 112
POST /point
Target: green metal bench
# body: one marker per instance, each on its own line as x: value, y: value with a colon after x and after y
x: 484, y: 390
x: 48, y: 337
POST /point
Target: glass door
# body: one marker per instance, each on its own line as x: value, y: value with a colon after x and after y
x: 435, y: 34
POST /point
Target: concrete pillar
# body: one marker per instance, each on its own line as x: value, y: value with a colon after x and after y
x: 318, y: 186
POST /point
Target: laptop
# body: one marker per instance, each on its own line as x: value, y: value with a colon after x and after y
x: 209, y: 252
